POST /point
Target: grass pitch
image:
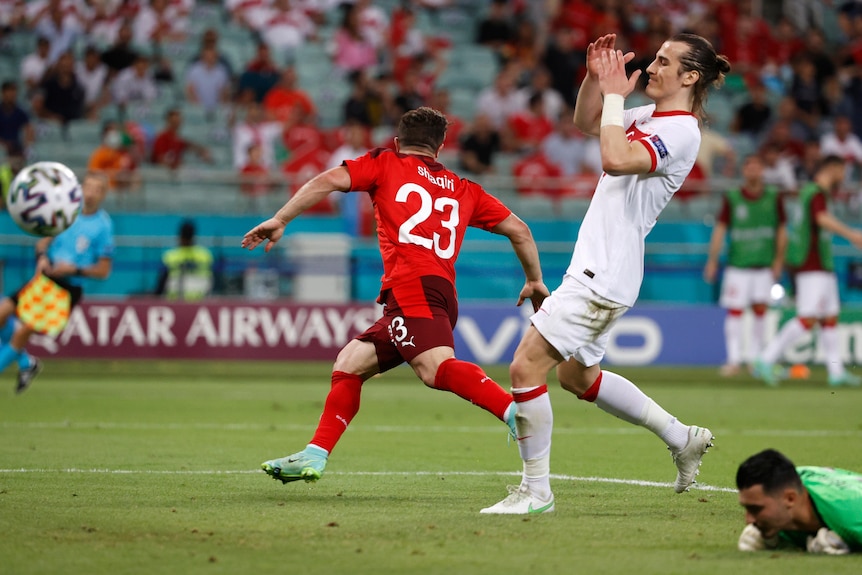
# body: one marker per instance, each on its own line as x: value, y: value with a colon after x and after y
x: 149, y: 467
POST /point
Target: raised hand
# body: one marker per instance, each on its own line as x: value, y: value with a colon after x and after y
x: 611, y: 73
x: 595, y: 51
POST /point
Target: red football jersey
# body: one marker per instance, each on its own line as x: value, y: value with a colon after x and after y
x: 422, y: 212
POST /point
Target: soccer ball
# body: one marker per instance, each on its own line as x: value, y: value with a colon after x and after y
x: 44, y: 198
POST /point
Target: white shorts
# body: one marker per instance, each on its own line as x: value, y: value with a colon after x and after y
x: 577, y: 321
x: 817, y: 294
x: 742, y: 287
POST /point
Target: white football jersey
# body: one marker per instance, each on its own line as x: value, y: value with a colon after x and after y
x: 609, y: 253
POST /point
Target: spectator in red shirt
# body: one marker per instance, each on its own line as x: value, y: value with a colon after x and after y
x: 285, y: 96
x: 169, y: 146
x: 535, y: 175
x: 530, y: 126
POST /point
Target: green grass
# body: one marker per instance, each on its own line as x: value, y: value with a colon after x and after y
x: 153, y: 467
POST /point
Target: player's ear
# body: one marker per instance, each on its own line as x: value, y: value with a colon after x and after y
x: 397, y: 144
x: 789, y: 497
x: 690, y: 78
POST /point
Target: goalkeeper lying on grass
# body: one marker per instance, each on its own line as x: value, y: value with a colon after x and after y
x: 816, y: 508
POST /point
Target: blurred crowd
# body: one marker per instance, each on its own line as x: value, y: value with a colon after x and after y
x: 795, y: 93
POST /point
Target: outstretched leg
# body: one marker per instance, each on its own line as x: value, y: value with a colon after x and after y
x: 355, y: 363
x: 620, y: 397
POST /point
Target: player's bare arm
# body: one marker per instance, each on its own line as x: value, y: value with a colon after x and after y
x: 619, y: 156
x: 716, y: 243
x: 521, y: 237
x: 313, y: 191
x: 780, y: 249
x: 100, y: 270
x: 588, y: 106
x: 830, y: 223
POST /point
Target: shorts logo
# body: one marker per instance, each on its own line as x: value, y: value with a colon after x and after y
x: 398, y: 333
x: 659, y: 145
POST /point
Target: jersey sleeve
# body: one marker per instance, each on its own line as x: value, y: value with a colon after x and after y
x: 365, y: 170
x: 724, y: 213
x: 489, y: 210
x: 673, y: 146
x: 104, y: 247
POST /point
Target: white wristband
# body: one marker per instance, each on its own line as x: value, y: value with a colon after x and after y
x: 612, y: 110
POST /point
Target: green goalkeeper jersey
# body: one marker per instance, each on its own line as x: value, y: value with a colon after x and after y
x: 837, y: 497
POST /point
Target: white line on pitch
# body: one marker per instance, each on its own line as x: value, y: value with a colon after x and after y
x: 556, y: 476
x: 83, y: 425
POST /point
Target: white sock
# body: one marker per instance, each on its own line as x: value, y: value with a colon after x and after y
x: 758, y: 327
x: 789, y: 333
x: 620, y: 397
x: 535, y: 421
x: 832, y: 351
x: 733, y: 338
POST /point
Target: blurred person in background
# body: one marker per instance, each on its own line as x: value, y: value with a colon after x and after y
x: 566, y: 147
x: 500, y: 101
x: 529, y: 127
x: 256, y: 129
x: 716, y: 155
x: 285, y: 26
x: 208, y: 83
x: 647, y: 152
x: 841, y: 141
x: 60, y: 97
x: 114, y: 158
x: 480, y: 142
x: 210, y: 39
x: 809, y: 258
x: 752, y: 218
x: 418, y: 286
x: 753, y: 117
x: 84, y: 250
x: 135, y: 84
x: 259, y: 76
x: 352, y: 50
x: 16, y: 129
x: 169, y: 146
x: 778, y: 169
x: 813, y: 508
x: 160, y: 22
x: 187, y: 270
x: 496, y: 29
x: 120, y: 54
x: 281, y: 100
x: 540, y: 83
x: 352, y: 207
x: 92, y: 74
x: 34, y: 65
x: 62, y: 29
x: 256, y: 180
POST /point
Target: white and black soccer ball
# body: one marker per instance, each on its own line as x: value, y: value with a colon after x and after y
x: 44, y: 198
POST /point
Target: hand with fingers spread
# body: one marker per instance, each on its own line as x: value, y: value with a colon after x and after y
x: 272, y: 230
x: 595, y: 51
x: 611, y: 73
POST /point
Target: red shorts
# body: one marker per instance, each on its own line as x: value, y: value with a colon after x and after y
x: 417, y: 316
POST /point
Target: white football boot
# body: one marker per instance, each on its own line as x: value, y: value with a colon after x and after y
x: 688, y: 458
x: 520, y: 502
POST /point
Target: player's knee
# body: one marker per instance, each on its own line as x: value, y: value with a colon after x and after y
x: 808, y: 322
x: 759, y: 309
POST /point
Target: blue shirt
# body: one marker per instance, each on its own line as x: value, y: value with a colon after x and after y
x: 89, y: 239
x: 12, y: 120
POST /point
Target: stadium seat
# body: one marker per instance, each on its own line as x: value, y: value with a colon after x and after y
x: 533, y: 207
x: 573, y: 208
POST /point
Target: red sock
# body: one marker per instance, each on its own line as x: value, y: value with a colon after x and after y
x: 341, y: 406
x: 467, y: 380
